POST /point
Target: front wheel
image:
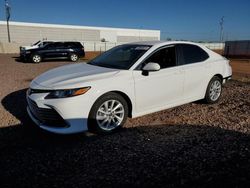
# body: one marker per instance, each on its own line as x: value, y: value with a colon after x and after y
x: 108, y: 114
x: 214, y: 90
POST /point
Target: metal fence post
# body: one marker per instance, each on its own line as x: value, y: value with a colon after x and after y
x: 7, y: 11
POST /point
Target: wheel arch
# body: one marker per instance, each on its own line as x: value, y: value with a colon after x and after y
x: 206, y: 98
x: 215, y: 75
x: 219, y: 76
x: 128, y: 100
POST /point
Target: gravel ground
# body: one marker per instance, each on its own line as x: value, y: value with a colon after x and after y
x: 194, y: 145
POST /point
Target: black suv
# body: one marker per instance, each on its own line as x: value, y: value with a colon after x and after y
x: 54, y: 50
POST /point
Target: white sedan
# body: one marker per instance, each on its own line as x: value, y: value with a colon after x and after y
x: 130, y: 80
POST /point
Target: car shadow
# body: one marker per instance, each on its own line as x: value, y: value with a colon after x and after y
x: 142, y: 156
x: 17, y: 59
x: 16, y: 104
x: 145, y: 156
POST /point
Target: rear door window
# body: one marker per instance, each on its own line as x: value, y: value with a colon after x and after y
x: 73, y: 45
x: 191, y: 54
x: 59, y: 45
x: 69, y: 45
x: 50, y: 46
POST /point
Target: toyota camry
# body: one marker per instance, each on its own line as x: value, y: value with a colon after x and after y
x: 129, y: 80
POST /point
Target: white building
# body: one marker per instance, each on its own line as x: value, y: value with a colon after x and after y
x: 27, y: 33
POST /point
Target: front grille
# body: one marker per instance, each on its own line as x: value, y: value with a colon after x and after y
x: 49, y: 117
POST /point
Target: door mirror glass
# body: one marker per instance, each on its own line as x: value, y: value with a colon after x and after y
x: 151, y: 67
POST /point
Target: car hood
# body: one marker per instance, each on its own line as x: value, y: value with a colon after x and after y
x: 71, y: 76
x: 29, y: 47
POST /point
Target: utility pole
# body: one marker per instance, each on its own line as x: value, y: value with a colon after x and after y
x: 7, y: 11
x: 221, y: 29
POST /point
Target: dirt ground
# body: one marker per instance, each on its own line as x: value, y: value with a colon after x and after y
x: 194, y: 145
x: 90, y: 55
x: 241, y: 69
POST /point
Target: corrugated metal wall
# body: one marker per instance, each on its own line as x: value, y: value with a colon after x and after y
x: 94, y: 38
x: 3, y: 33
x: 237, y: 48
x: 134, y: 38
x: 24, y: 34
x: 27, y: 33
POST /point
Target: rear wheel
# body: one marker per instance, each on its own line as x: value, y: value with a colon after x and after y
x: 108, y: 114
x: 74, y: 57
x: 36, y: 58
x: 214, y: 90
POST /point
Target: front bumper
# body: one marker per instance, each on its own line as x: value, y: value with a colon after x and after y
x: 24, y: 56
x: 56, y: 129
x: 74, y: 111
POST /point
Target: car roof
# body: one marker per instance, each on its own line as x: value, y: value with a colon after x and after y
x: 68, y: 41
x: 163, y: 43
x: 48, y: 41
x: 151, y: 43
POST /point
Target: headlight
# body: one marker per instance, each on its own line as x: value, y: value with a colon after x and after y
x: 27, y: 52
x: 66, y: 93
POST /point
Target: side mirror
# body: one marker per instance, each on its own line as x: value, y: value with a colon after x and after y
x: 150, y: 67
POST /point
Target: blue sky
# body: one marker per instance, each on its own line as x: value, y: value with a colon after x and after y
x: 177, y: 19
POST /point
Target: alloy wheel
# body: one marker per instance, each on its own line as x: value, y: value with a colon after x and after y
x: 36, y: 58
x: 110, y: 115
x: 73, y: 57
x: 215, y: 90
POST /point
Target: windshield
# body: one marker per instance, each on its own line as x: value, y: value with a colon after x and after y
x: 120, y: 57
x: 36, y: 43
x: 43, y: 44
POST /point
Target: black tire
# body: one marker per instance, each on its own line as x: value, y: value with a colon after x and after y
x: 36, y: 58
x: 94, y: 124
x: 73, y: 57
x: 210, y: 91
